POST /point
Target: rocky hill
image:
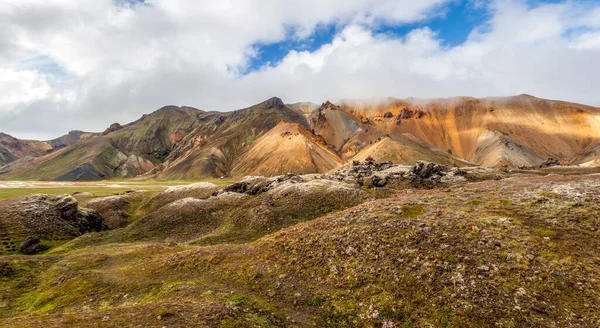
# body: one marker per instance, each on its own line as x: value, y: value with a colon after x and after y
x: 189, y: 144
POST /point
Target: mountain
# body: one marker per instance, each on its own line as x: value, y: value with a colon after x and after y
x: 272, y: 137
x: 69, y: 139
x: 122, y: 151
x: 215, y: 144
x: 512, y: 131
x: 11, y: 148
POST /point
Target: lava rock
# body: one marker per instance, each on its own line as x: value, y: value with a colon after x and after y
x: 377, y: 181
x: 31, y: 246
x: 426, y: 175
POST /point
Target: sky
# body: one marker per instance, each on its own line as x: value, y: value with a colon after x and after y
x: 84, y: 64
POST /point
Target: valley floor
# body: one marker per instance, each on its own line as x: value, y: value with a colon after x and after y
x: 508, y: 251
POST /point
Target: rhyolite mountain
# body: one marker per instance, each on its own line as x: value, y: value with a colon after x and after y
x: 272, y: 138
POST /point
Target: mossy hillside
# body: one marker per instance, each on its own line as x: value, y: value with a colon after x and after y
x: 455, y: 264
x: 231, y: 217
x: 153, y: 131
x: 122, y: 209
x: 282, y: 207
x: 458, y: 257
x: 107, y: 284
x: 201, y: 190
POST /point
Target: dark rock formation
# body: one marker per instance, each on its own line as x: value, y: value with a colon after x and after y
x: 388, y: 115
x: 550, y: 162
x: 257, y: 185
x: 367, y: 173
x: 406, y: 113
x: 31, y: 246
x: 161, y: 153
x: 426, y: 175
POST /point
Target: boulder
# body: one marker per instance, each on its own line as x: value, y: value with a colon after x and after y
x: 31, y: 246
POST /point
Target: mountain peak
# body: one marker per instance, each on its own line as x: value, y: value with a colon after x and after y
x: 273, y: 103
x: 329, y: 105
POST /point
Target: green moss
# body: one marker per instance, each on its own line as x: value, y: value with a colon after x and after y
x: 165, y: 313
x: 548, y: 194
x: 411, y: 211
x: 240, y: 300
x: 317, y: 300
x: 541, y: 232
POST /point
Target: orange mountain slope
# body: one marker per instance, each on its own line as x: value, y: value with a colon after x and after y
x: 288, y: 147
x: 520, y: 130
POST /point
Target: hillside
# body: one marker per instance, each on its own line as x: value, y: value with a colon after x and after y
x: 408, y: 150
x: 311, y: 250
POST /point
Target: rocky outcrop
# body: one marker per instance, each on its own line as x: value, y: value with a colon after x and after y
x: 32, y: 245
x: 66, y: 208
x: 550, y: 162
x: 112, y: 128
x: 427, y: 175
x: 257, y: 185
x: 407, y: 113
x: 45, y: 217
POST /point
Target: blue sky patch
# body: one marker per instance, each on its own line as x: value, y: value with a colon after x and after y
x: 453, y: 28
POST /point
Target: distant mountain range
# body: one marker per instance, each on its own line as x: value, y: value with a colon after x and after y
x: 274, y: 138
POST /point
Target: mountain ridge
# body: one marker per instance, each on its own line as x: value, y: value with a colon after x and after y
x: 182, y: 142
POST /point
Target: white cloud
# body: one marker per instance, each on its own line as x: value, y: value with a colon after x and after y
x: 82, y: 64
x: 21, y: 88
